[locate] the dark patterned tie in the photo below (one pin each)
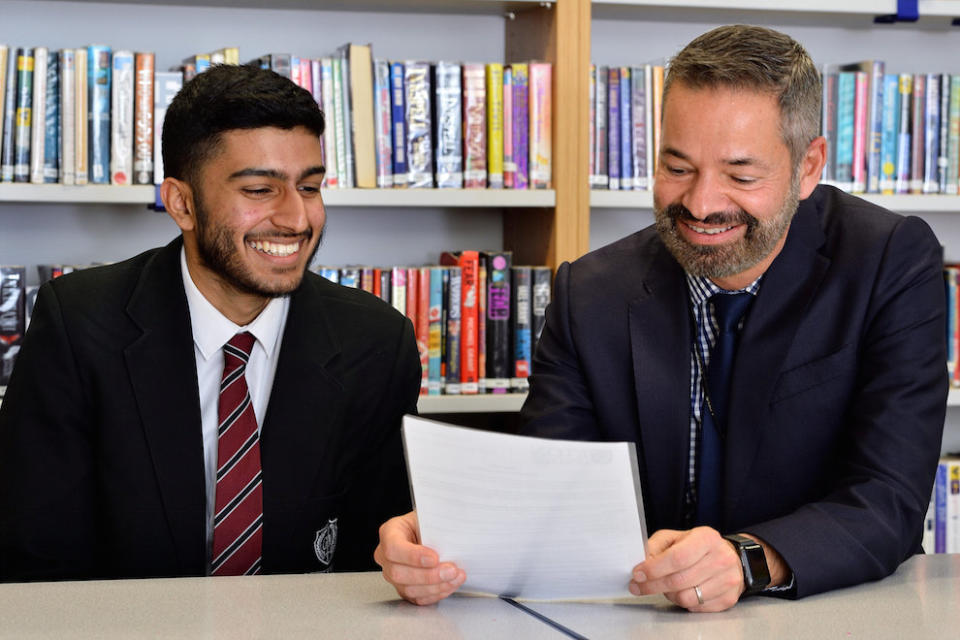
(238, 514)
(729, 309)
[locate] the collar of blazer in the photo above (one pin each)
(659, 323)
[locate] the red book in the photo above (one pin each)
(422, 327)
(469, 263)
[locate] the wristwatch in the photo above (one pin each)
(756, 575)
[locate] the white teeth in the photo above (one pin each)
(277, 249)
(709, 232)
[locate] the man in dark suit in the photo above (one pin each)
(117, 426)
(786, 447)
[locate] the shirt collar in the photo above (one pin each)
(212, 330)
(701, 288)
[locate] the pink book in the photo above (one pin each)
(860, 133)
(474, 126)
(509, 164)
(541, 164)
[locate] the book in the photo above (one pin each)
(419, 144)
(398, 123)
(166, 84)
(474, 126)
(398, 288)
(541, 119)
(121, 118)
(642, 180)
(81, 120)
(521, 315)
(383, 119)
(348, 175)
(360, 111)
(656, 90)
(448, 123)
(13, 322)
(99, 91)
(891, 127)
(601, 179)
(469, 264)
(340, 123)
(494, 125)
(861, 131)
(509, 163)
(931, 137)
(422, 327)
(143, 119)
(828, 117)
(626, 129)
(278, 62)
(51, 129)
(350, 277)
(498, 360)
(331, 148)
(8, 116)
(435, 331)
(21, 160)
(613, 128)
(875, 126)
(917, 133)
(38, 135)
(541, 279)
(903, 135)
(521, 125)
(846, 105)
(452, 302)
(68, 115)
(943, 160)
(4, 56)
(482, 323)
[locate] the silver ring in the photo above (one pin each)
(696, 590)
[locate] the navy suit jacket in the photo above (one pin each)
(838, 393)
(101, 457)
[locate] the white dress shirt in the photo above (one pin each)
(212, 330)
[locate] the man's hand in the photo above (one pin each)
(414, 571)
(680, 562)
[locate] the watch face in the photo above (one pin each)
(756, 575)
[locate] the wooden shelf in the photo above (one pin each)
(948, 8)
(601, 199)
(463, 7)
(488, 403)
(100, 194)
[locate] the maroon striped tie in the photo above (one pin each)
(238, 514)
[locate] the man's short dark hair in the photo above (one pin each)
(226, 98)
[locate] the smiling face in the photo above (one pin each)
(724, 193)
(255, 218)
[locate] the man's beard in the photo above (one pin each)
(215, 244)
(725, 260)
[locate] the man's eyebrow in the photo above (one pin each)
(737, 161)
(276, 174)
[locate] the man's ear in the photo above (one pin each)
(177, 199)
(811, 167)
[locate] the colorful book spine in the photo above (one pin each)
(953, 505)
(347, 168)
(602, 177)
(81, 121)
(143, 119)
(350, 277)
(468, 263)
(592, 128)
(494, 125)
(362, 148)
(875, 127)
(339, 123)
(166, 85)
(435, 331)
(846, 102)
(613, 127)
(5, 55)
(295, 74)
(398, 288)
(412, 275)
(931, 141)
(509, 163)
(940, 508)
(917, 133)
(98, 80)
(541, 119)
(830, 79)
(38, 116)
(121, 118)
(331, 148)
(950, 274)
(474, 126)
(521, 315)
(21, 160)
(498, 322)
(953, 141)
(482, 323)
(521, 125)
(891, 126)
(383, 117)
(626, 129)
(52, 133)
(398, 121)
(448, 125)
(861, 133)
(651, 126)
(329, 273)
(422, 327)
(656, 84)
(451, 383)
(638, 108)
(68, 106)
(943, 158)
(419, 144)
(8, 117)
(541, 278)
(903, 136)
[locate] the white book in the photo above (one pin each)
(330, 127)
(81, 108)
(38, 134)
(166, 84)
(67, 116)
(121, 119)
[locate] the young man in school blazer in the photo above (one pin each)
(114, 452)
(790, 450)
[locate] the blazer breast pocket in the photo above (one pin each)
(815, 373)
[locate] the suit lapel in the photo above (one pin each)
(787, 289)
(163, 374)
(306, 402)
(659, 322)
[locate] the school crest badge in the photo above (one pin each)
(325, 543)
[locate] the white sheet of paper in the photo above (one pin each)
(527, 517)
